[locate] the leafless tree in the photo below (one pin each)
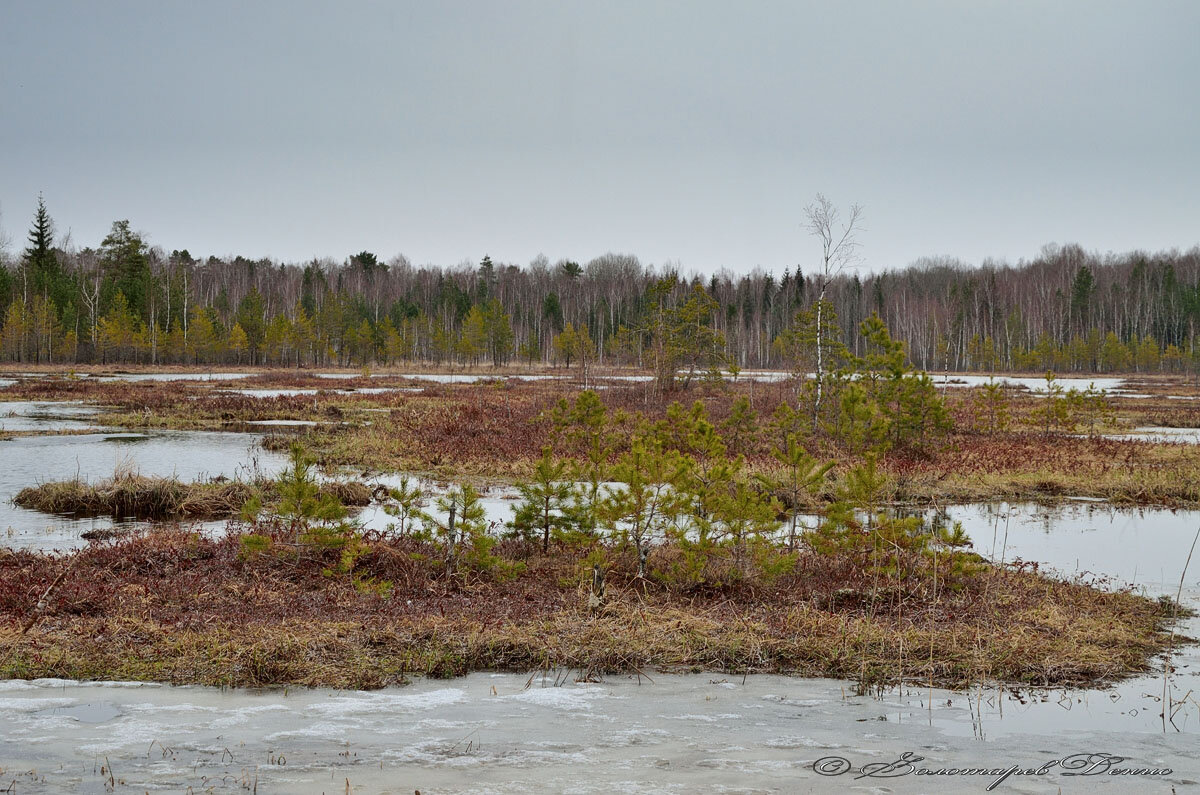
(89, 283)
(839, 250)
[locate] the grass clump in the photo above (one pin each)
(137, 496)
(130, 495)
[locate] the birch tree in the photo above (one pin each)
(839, 250)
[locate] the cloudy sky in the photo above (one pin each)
(692, 132)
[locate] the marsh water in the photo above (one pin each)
(32, 459)
(1112, 384)
(663, 733)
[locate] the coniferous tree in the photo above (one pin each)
(1056, 310)
(40, 260)
(545, 507)
(127, 268)
(251, 318)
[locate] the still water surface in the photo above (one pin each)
(30, 460)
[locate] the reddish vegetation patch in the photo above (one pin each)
(176, 607)
(498, 429)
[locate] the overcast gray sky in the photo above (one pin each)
(684, 131)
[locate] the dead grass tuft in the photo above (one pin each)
(130, 496)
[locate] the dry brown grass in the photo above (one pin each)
(496, 431)
(138, 497)
(174, 607)
(128, 495)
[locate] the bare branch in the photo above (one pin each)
(839, 242)
(839, 247)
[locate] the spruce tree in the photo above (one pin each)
(45, 277)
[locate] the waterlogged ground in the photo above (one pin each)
(29, 460)
(188, 455)
(1159, 435)
(1114, 385)
(668, 733)
(46, 416)
(1145, 549)
(271, 392)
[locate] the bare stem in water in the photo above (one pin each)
(1166, 699)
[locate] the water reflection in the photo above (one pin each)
(188, 455)
(37, 415)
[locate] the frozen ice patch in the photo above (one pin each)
(566, 698)
(130, 732)
(323, 730)
(800, 742)
(78, 683)
(632, 737)
(704, 718)
(17, 684)
(795, 702)
(380, 703)
(240, 716)
(156, 708)
(440, 723)
(470, 752)
(8, 706)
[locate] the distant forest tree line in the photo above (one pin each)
(125, 301)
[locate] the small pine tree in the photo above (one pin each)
(991, 408)
(317, 519)
(545, 507)
(748, 520)
(466, 537)
(1055, 409)
(859, 424)
(801, 476)
(647, 504)
(407, 505)
(740, 428)
(586, 427)
(301, 502)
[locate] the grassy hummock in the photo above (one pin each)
(129, 495)
(177, 607)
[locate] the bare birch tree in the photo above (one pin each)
(89, 283)
(839, 250)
